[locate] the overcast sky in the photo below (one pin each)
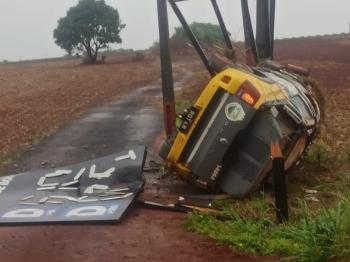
(26, 26)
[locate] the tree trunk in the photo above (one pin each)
(91, 56)
(95, 56)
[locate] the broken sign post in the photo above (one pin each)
(279, 179)
(96, 191)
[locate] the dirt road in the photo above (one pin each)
(143, 235)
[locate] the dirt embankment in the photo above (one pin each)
(38, 98)
(328, 58)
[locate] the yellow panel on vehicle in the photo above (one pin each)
(230, 80)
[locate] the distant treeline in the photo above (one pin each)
(66, 57)
(120, 51)
(314, 36)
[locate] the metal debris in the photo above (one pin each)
(310, 191)
(310, 197)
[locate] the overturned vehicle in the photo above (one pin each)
(224, 138)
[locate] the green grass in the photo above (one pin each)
(255, 237)
(319, 153)
(309, 239)
(180, 105)
(13, 157)
(38, 139)
(9, 160)
(316, 231)
(347, 152)
(6, 161)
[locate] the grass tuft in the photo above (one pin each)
(319, 154)
(180, 105)
(310, 239)
(38, 139)
(6, 161)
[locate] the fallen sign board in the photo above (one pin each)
(96, 191)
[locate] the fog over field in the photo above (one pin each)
(26, 26)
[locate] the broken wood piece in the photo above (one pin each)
(279, 178)
(158, 206)
(199, 209)
(209, 197)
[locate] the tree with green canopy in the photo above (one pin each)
(205, 33)
(89, 26)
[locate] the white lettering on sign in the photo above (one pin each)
(29, 212)
(87, 211)
(216, 172)
(4, 182)
(50, 212)
(112, 210)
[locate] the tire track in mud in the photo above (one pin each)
(109, 128)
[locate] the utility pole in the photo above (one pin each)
(167, 73)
